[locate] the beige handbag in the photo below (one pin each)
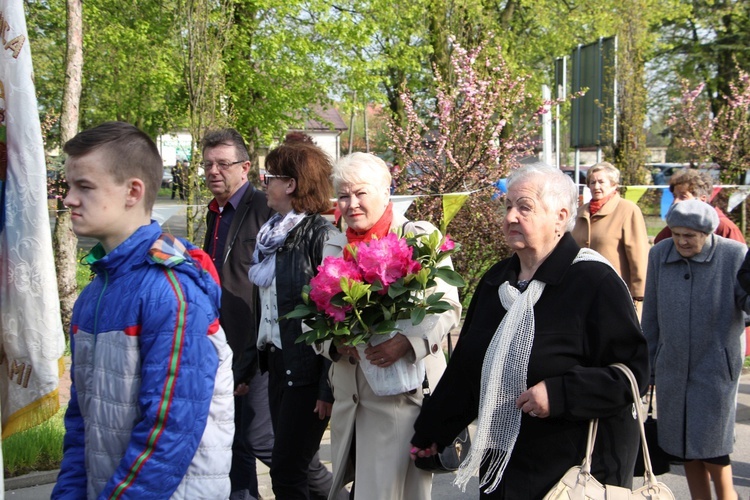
(579, 484)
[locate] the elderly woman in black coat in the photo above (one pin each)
(532, 362)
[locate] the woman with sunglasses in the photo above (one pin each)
(289, 248)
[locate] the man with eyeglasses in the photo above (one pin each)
(234, 217)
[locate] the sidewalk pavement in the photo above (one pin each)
(39, 485)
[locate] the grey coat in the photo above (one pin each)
(692, 319)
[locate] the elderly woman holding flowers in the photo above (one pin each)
(289, 249)
(533, 361)
(381, 425)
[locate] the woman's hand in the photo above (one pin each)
(534, 401)
(423, 452)
(390, 351)
(323, 409)
(349, 351)
(241, 389)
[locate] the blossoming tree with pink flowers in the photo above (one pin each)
(474, 131)
(722, 138)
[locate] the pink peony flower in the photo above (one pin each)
(327, 283)
(386, 260)
(448, 244)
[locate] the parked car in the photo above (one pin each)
(571, 172)
(662, 172)
(166, 177)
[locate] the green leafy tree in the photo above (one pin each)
(133, 72)
(703, 41)
(203, 38)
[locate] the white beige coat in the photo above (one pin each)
(384, 424)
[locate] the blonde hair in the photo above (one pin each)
(609, 170)
(361, 168)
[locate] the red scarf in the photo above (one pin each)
(378, 230)
(596, 205)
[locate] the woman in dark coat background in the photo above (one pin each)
(532, 362)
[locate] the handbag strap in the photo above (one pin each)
(586, 465)
(650, 410)
(648, 474)
(426, 383)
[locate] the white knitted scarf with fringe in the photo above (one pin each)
(504, 370)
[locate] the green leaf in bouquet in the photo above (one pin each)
(439, 307)
(450, 276)
(312, 336)
(434, 298)
(354, 290)
(397, 288)
(371, 315)
(357, 339)
(417, 315)
(385, 327)
(422, 276)
(338, 300)
(301, 311)
(376, 286)
(433, 240)
(387, 311)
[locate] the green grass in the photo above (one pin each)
(654, 224)
(83, 272)
(35, 449)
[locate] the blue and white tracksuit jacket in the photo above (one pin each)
(151, 412)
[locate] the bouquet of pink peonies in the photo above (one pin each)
(376, 283)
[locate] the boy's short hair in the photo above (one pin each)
(227, 137)
(132, 153)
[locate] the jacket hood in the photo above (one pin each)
(148, 245)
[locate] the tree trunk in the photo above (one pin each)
(630, 148)
(64, 241)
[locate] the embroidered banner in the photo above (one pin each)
(30, 325)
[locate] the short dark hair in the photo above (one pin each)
(297, 136)
(132, 154)
(311, 167)
(698, 183)
(226, 137)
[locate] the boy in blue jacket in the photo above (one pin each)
(151, 405)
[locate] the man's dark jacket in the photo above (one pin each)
(238, 295)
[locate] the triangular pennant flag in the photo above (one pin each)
(401, 203)
(666, 201)
(452, 203)
(635, 193)
(714, 193)
(737, 197)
